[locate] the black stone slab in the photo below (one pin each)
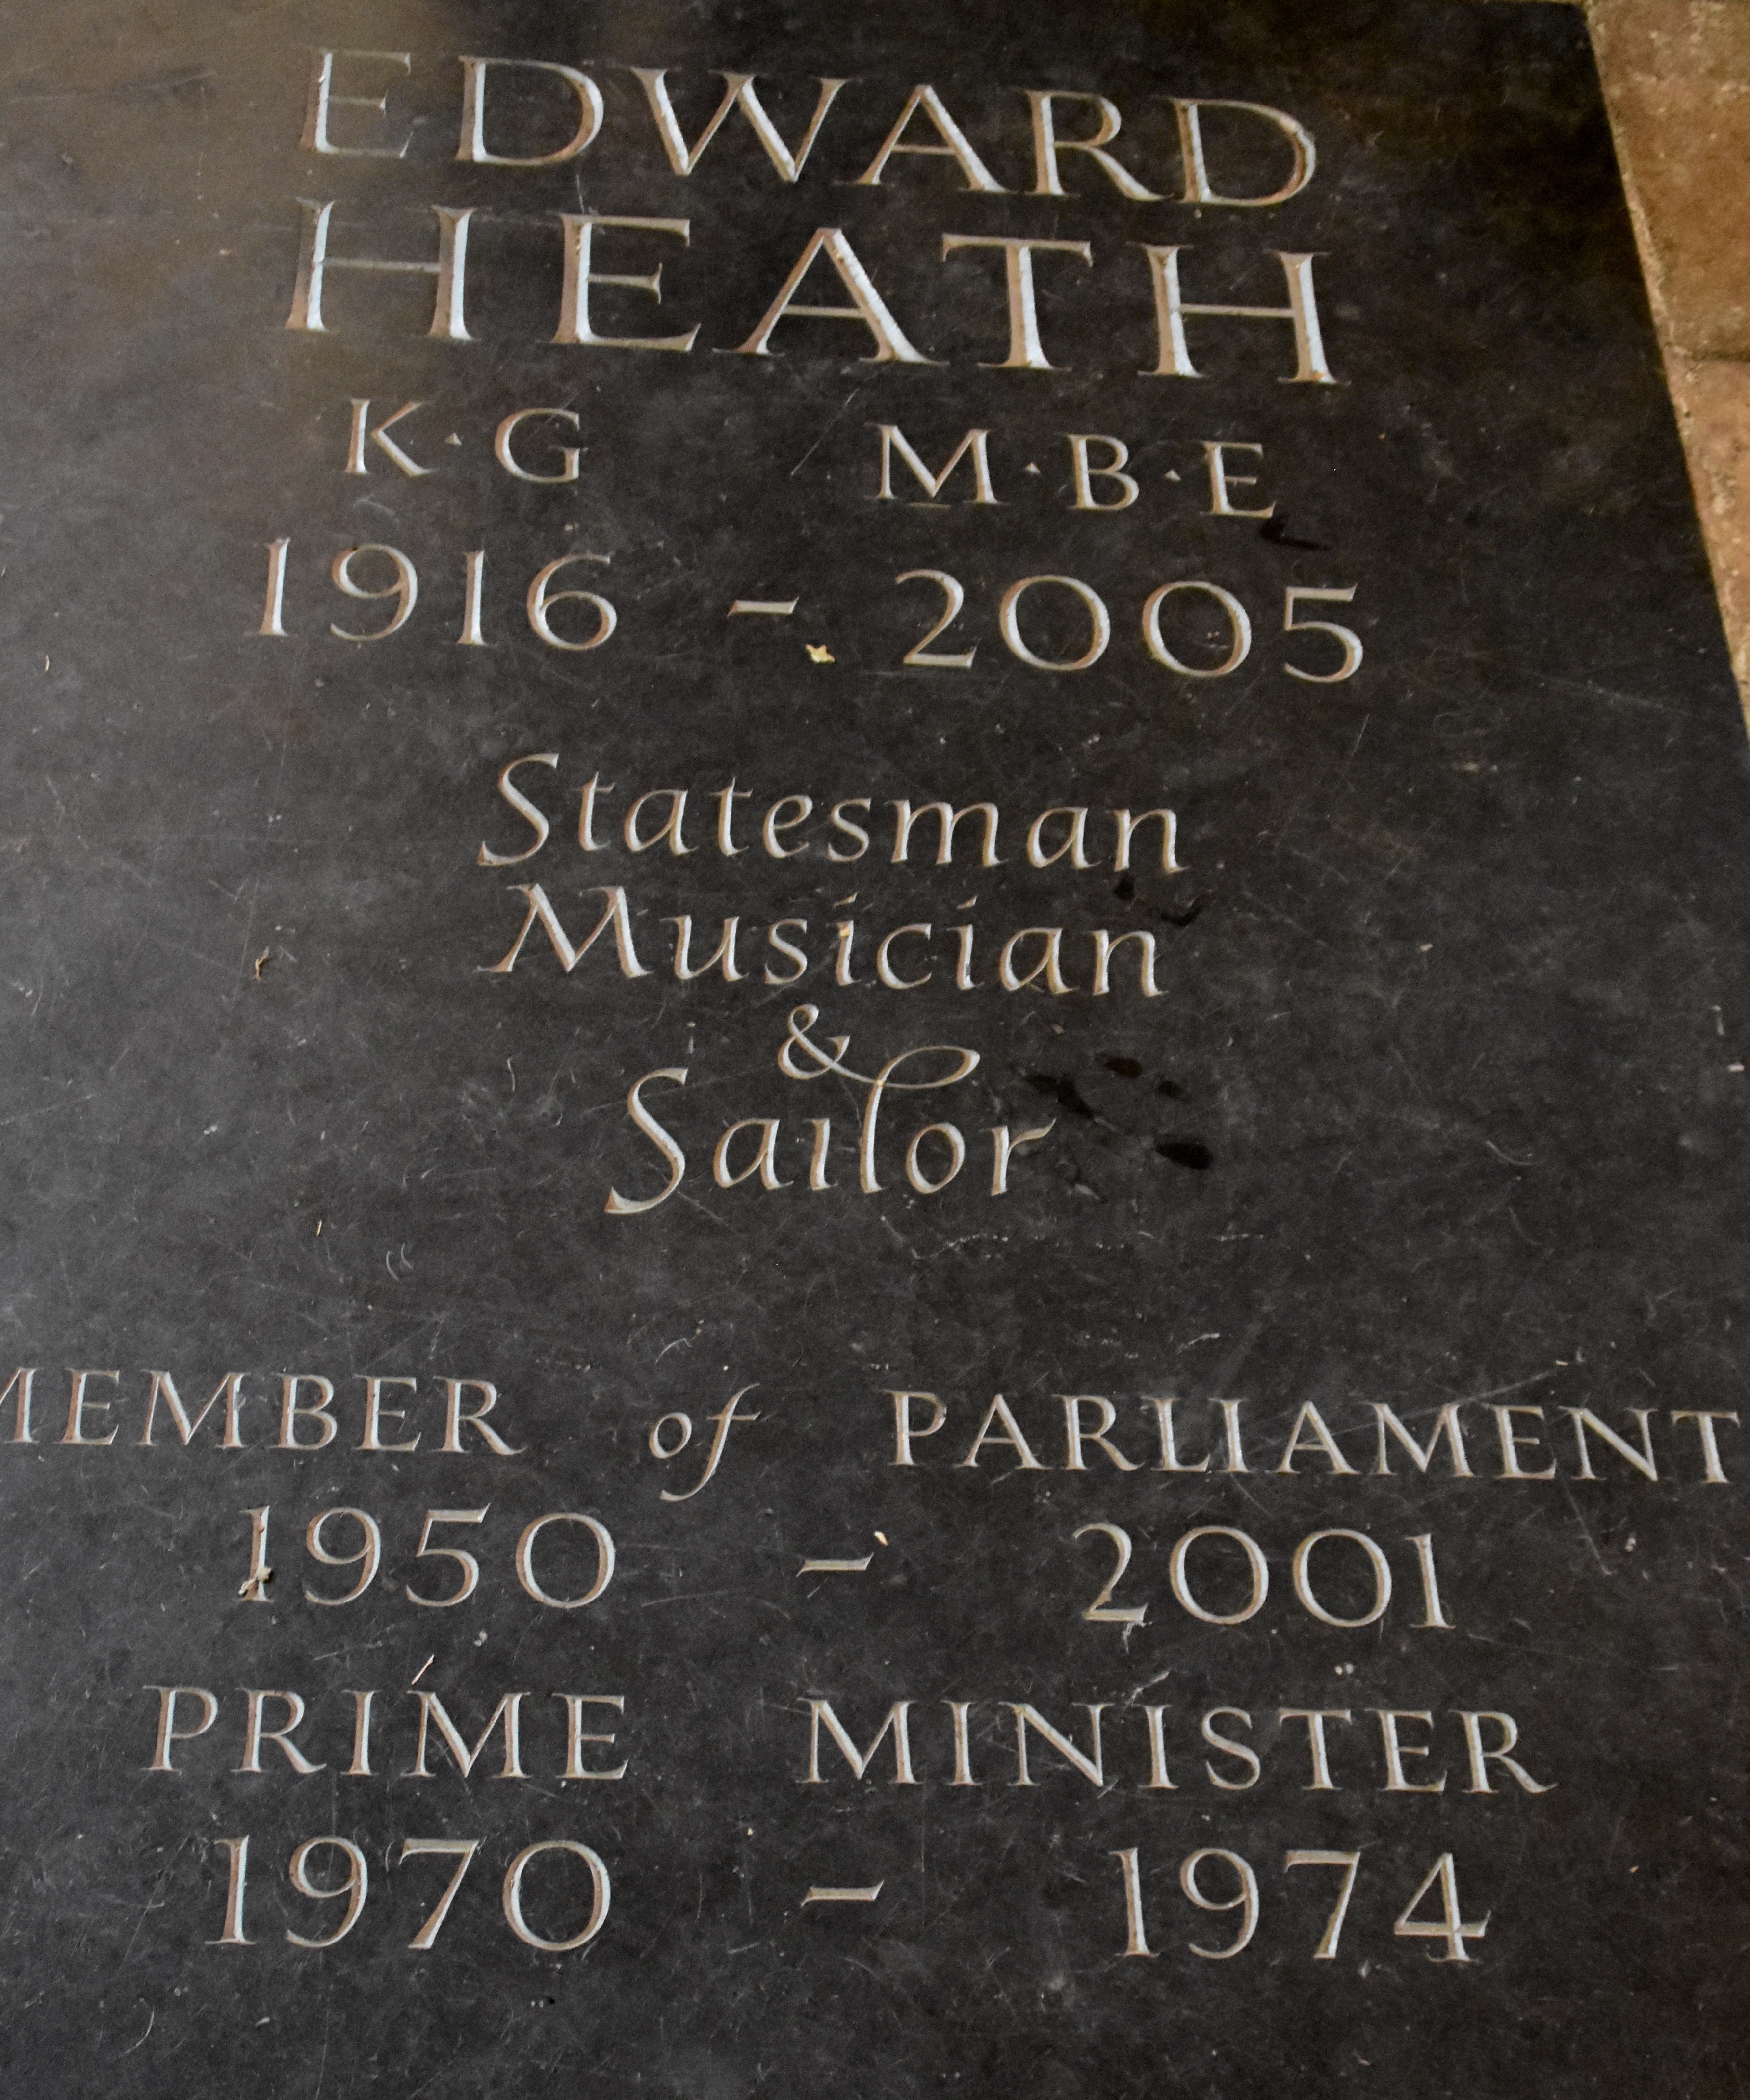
(1438, 1103)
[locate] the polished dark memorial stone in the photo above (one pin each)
(877, 1014)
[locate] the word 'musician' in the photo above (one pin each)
(1058, 960)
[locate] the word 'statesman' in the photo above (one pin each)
(657, 816)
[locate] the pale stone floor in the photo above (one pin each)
(1676, 81)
